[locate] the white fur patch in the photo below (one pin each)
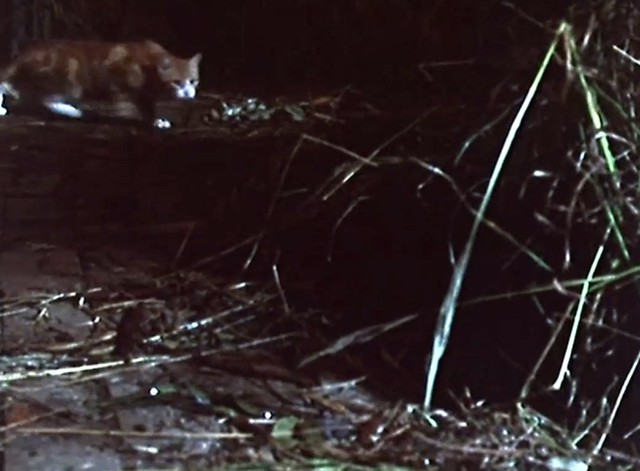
(162, 123)
(64, 109)
(185, 91)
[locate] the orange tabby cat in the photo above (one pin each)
(63, 74)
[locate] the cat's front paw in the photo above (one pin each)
(161, 123)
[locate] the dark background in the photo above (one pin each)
(274, 45)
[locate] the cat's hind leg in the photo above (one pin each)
(62, 108)
(4, 90)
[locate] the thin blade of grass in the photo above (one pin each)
(448, 308)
